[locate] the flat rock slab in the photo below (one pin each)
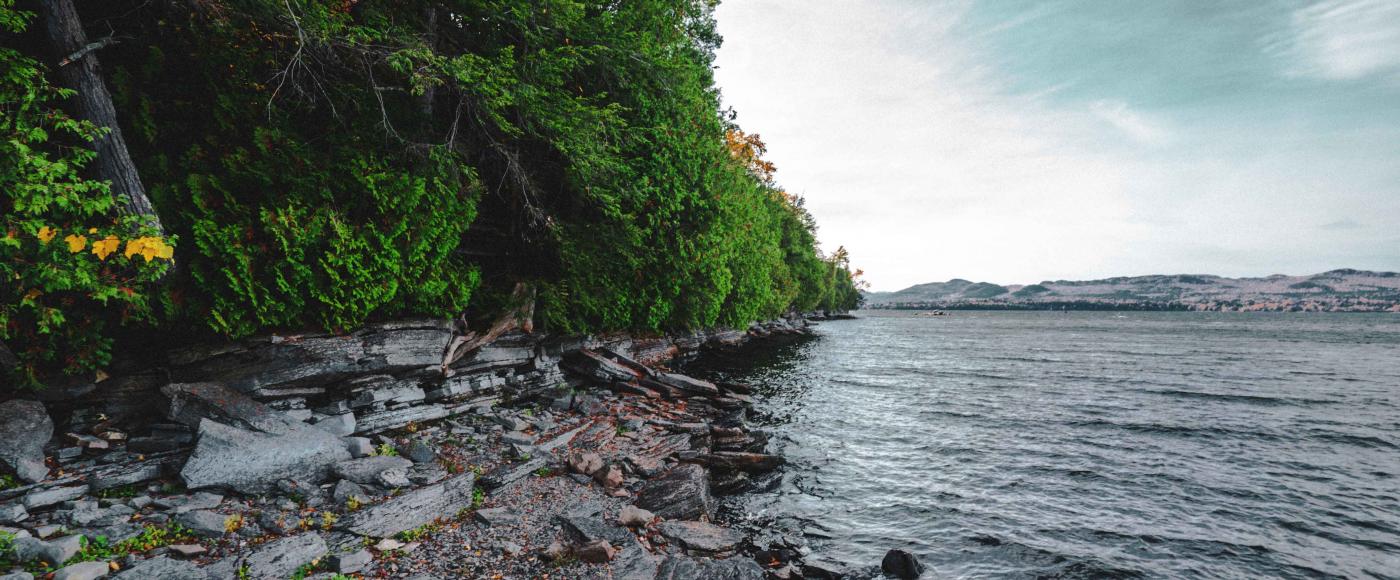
(24, 429)
(512, 472)
(366, 470)
(497, 517)
(163, 568)
(250, 462)
(685, 568)
(741, 461)
(82, 571)
(689, 384)
(46, 497)
(682, 493)
(587, 525)
(281, 558)
(702, 537)
(412, 509)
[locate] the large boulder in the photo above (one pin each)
(24, 429)
(901, 564)
(368, 470)
(683, 493)
(702, 538)
(412, 509)
(250, 462)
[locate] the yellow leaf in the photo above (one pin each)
(47, 233)
(92, 230)
(76, 243)
(105, 247)
(149, 247)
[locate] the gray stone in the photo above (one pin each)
(367, 470)
(701, 537)
(497, 517)
(204, 523)
(17, 576)
(511, 423)
(901, 564)
(60, 550)
(341, 424)
(392, 418)
(345, 490)
(634, 563)
(82, 571)
(199, 501)
(250, 462)
(510, 473)
(595, 552)
(517, 438)
(279, 559)
(187, 550)
(359, 446)
(388, 391)
(418, 452)
(163, 568)
(689, 384)
(634, 517)
(46, 531)
(585, 524)
(39, 498)
(677, 567)
(24, 429)
(681, 493)
(412, 509)
(13, 513)
(26, 549)
(426, 474)
(352, 562)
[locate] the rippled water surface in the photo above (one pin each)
(1090, 444)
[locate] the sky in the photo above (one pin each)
(1018, 141)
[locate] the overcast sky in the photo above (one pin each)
(1017, 141)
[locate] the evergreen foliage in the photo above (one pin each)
(330, 163)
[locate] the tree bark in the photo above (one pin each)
(77, 69)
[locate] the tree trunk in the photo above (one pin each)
(77, 68)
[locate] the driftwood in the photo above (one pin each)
(519, 316)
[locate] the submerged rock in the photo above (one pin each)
(24, 429)
(687, 568)
(901, 564)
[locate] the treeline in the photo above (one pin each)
(324, 164)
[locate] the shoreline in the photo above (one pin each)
(476, 472)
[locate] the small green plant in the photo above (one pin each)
(307, 569)
(544, 472)
(8, 482)
(152, 537)
(353, 503)
(622, 429)
(233, 523)
(243, 572)
(328, 520)
(478, 497)
(419, 532)
(386, 450)
(123, 491)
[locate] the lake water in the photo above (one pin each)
(1043, 444)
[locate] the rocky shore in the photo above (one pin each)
(383, 455)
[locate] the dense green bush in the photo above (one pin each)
(327, 164)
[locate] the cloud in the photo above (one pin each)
(1134, 124)
(1339, 225)
(1342, 40)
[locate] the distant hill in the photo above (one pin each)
(1338, 291)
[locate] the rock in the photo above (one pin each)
(510, 548)
(205, 523)
(249, 462)
(497, 517)
(199, 501)
(633, 562)
(680, 494)
(412, 509)
(586, 463)
(82, 571)
(279, 559)
(58, 551)
(596, 552)
(512, 472)
(39, 498)
(686, 568)
(556, 551)
(517, 438)
(281, 523)
(689, 384)
(609, 477)
(597, 367)
(13, 513)
(418, 452)
(585, 524)
(27, 549)
(359, 447)
(163, 568)
(47, 530)
(702, 537)
(350, 563)
(635, 517)
(901, 564)
(510, 422)
(17, 576)
(345, 490)
(739, 461)
(368, 470)
(341, 424)
(187, 550)
(24, 429)
(426, 474)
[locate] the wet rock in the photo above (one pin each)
(370, 470)
(595, 552)
(250, 462)
(163, 568)
(681, 493)
(701, 537)
(205, 523)
(512, 472)
(82, 571)
(40, 498)
(350, 563)
(739, 461)
(688, 384)
(634, 517)
(279, 559)
(686, 568)
(24, 429)
(901, 564)
(411, 509)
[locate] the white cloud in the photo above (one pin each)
(1136, 125)
(1343, 40)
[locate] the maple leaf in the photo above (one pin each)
(76, 243)
(105, 247)
(47, 233)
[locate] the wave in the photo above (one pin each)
(1233, 398)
